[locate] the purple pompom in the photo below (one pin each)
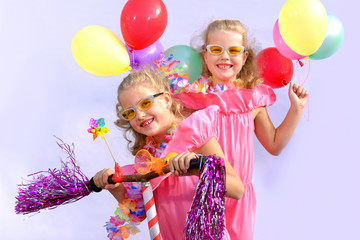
(205, 220)
(49, 189)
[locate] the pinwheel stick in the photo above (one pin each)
(112, 155)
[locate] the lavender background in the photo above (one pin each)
(310, 191)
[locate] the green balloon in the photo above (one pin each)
(189, 59)
(333, 39)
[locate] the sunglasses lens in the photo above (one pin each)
(128, 114)
(145, 104)
(234, 50)
(216, 49)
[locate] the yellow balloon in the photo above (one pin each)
(303, 25)
(99, 51)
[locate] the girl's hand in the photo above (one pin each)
(298, 96)
(101, 180)
(180, 164)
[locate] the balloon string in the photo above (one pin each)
(133, 58)
(299, 68)
(307, 74)
(301, 83)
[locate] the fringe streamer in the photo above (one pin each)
(55, 187)
(205, 220)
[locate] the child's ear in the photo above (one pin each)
(167, 97)
(245, 55)
(205, 56)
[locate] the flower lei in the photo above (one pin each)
(203, 84)
(127, 215)
(180, 82)
(154, 147)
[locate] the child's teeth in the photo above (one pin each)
(224, 66)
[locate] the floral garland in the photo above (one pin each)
(154, 148)
(180, 82)
(203, 84)
(128, 214)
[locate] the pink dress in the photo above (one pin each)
(236, 132)
(173, 195)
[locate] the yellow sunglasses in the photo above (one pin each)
(144, 104)
(232, 50)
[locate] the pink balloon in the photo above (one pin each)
(280, 44)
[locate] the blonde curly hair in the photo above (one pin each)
(145, 78)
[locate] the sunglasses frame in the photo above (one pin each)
(151, 97)
(224, 48)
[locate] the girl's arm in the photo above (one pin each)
(275, 139)
(180, 163)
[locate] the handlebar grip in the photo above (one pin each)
(194, 164)
(197, 162)
(95, 188)
(110, 179)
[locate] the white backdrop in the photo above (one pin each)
(310, 191)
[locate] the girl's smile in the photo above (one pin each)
(146, 123)
(224, 66)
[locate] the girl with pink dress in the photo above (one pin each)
(147, 111)
(231, 82)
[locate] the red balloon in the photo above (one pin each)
(274, 68)
(143, 22)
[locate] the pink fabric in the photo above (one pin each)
(128, 169)
(235, 126)
(173, 195)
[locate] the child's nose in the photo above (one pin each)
(225, 54)
(140, 113)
